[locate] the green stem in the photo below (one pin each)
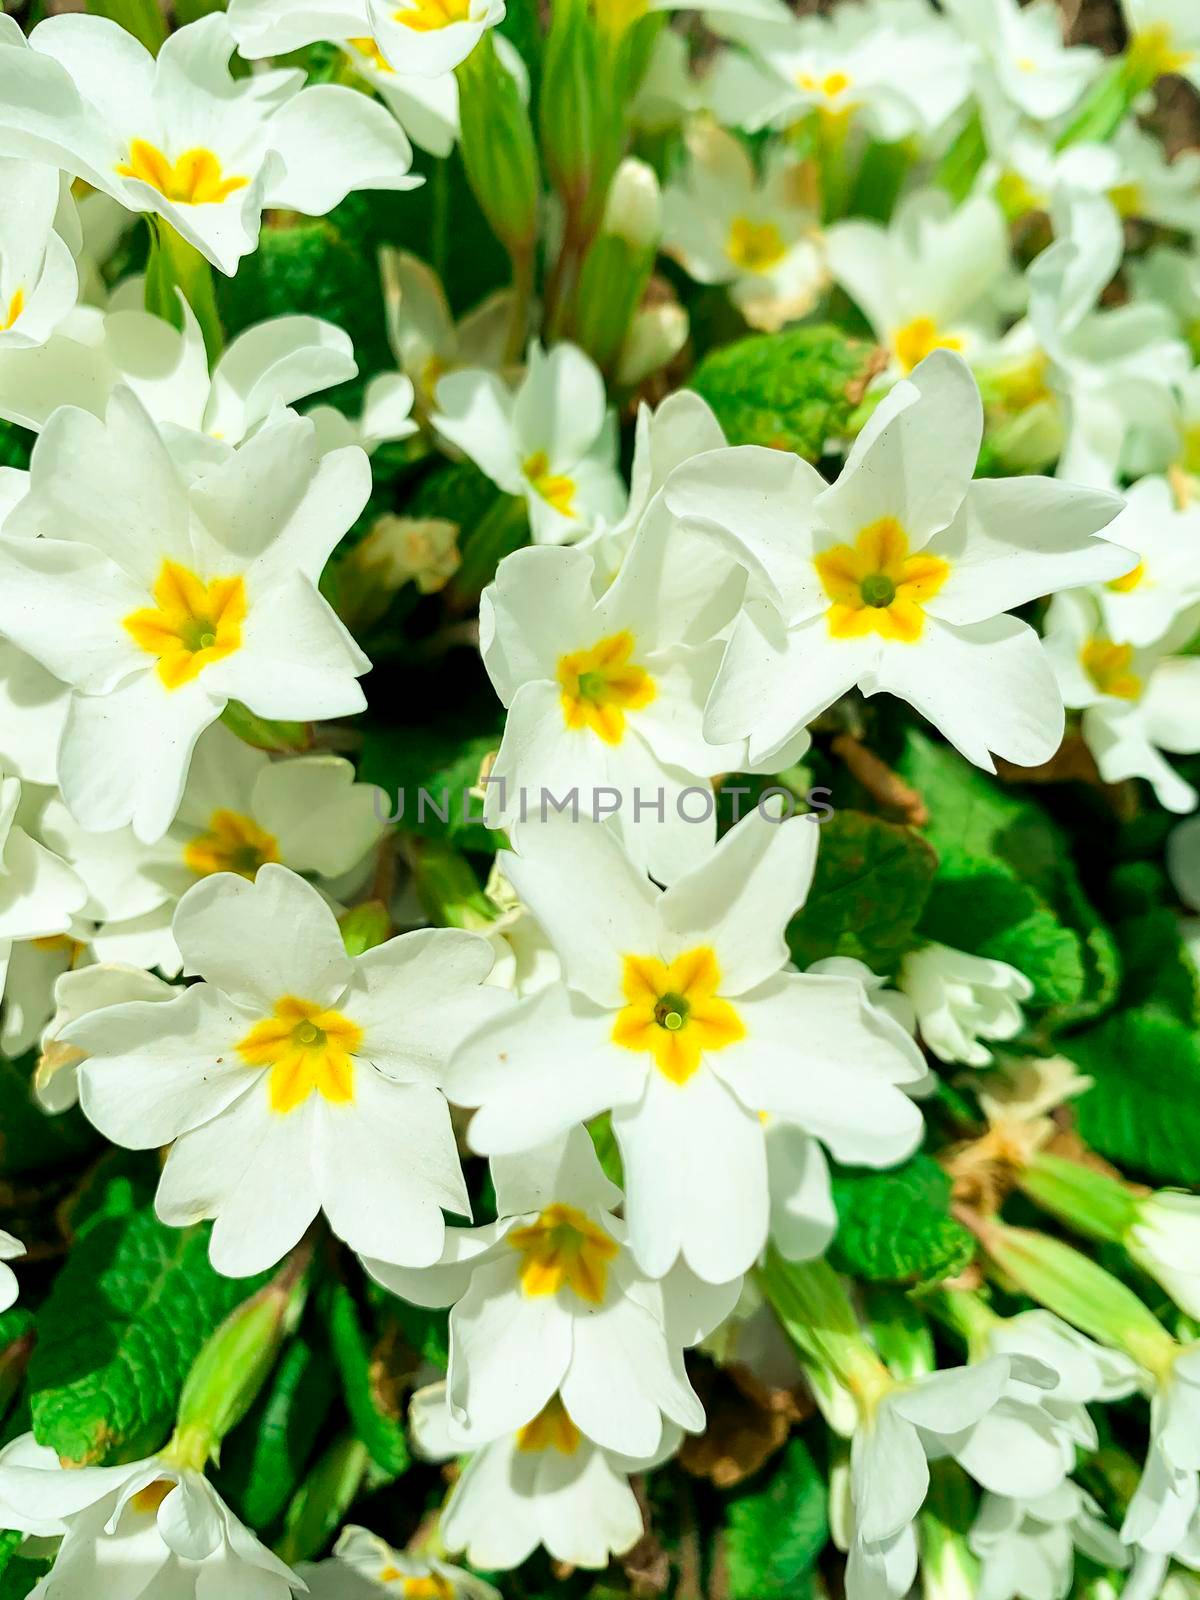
(320, 1505)
(522, 291)
(815, 1313)
(1107, 103)
(504, 527)
(174, 264)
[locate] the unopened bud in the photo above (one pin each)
(420, 550)
(365, 927)
(657, 333)
(633, 210)
(497, 148)
(1164, 1240)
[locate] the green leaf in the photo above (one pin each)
(123, 1323)
(776, 1528)
(264, 1459)
(1143, 1110)
(896, 1227)
(32, 1141)
(20, 1576)
(1007, 887)
(376, 1414)
(869, 889)
(1158, 967)
(428, 774)
(789, 391)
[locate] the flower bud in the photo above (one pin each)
(365, 926)
(1164, 1240)
(633, 210)
(1091, 1202)
(420, 550)
(657, 333)
(497, 147)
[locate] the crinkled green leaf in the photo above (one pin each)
(122, 1325)
(1143, 1110)
(896, 1226)
(789, 391)
(776, 1528)
(869, 889)
(1157, 966)
(375, 1406)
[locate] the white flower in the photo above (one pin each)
(945, 1413)
(546, 1485)
(1025, 56)
(425, 338)
(678, 1013)
(39, 239)
(605, 696)
(548, 1300)
(924, 280)
(1027, 1546)
(891, 65)
(961, 999)
(384, 418)
(294, 1079)
(1135, 703)
(525, 959)
(1153, 188)
(377, 1567)
(1183, 861)
(552, 442)
(33, 713)
(425, 107)
(270, 364)
(1141, 607)
(39, 894)
(1117, 369)
(34, 967)
(417, 37)
(132, 1529)
(1168, 1493)
(10, 1250)
(76, 993)
(177, 136)
(897, 578)
(760, 236)
(159, 596)
(1165, 1242)
(1166, 35)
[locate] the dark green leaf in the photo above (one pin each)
(896, 1227)
(375, 1409)
(428, 774)
(776, 1528)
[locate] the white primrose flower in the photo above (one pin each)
(1024, 55)
(899, 578)
(1167, 1497)
(548, 1300)
(1117, 369)
(159, 596)
(925, 281)
(552, 442)
(239, 810)
(605, 695)
(1136, 703)
(546, 1484)
(363, 1566)
(961, 1000)
(177, 136)
(94, 352)
(908, 1425)
(426, 38)
(1142, 606)
(525, 959)
(294, 1079)
(39, 240)
(760, 236)
(384, 418)
(678, 1013)
(40, 895)
(1165, 1242)
(150, 1527)
(34, 967)
(10, 1250)
(1165, 36)
(33, 712)
(76, 993)
(1151, 187)
(1027, 1546)
(892, 66)
(425, 338)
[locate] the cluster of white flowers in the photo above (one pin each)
(181, 855)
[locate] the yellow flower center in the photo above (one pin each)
(60, 944)
(427, 16)
(831, 87)
(1107, 665)
(15, 307)
(920, 338)
(1130, 581)
(431, 1587)
(754, 246)
(307, 1049)
(1023, 384)
(1128, 199)
(1154, 53)
(1016, 196)
(876, 586)
(564, 1247)
(148, 1500)
(192, 624)
(601, 684)
(557, 490)
(371, 53)
(551, 1429)
(194, 179)
(673, 1011)
(232, 842)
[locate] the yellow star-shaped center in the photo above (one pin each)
(600, 684)
(191, 624)
(920, 337)
(232, 842)
(427, 16)
(563, 1248)
(876, 586)
(195, 178)
(551, 1429)
(673, 1011)
(308, 1049)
